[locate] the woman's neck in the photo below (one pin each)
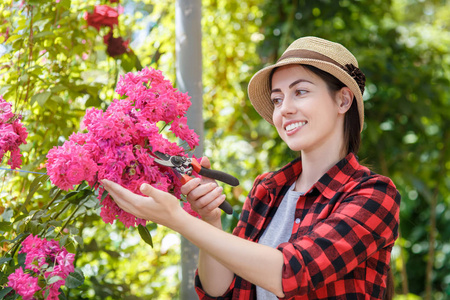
(316, 163)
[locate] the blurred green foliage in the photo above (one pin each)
(53, 66)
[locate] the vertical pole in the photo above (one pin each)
(189, 79)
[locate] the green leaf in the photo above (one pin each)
(21, 217)
(105, 193)
(78, 239)
(74, 279)
(54, 279)
(58, 88)
(70, 195)
(15, 239)
(56, 223)
(76, 196)
(43, 33)
(33, 188)
(145, 234)
(61, 295)
(63, 240)
(40, 98)
(65, 3)
(4, 260)
(5, 292)
(5, 226)
(57, 99)
(111, 253)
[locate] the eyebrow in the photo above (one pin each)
(292, 84)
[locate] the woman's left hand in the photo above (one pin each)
(159, 207)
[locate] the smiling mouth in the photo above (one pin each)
(294, 126)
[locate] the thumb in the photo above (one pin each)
(147, 189)
(205, 162)
(154, 193)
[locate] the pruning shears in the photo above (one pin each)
(185, 166)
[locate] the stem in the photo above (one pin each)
(53, 200)
(70, 217)
(433, 230)
(62, 210)
(14, 248)
(404, 274)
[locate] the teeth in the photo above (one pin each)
(294, 125)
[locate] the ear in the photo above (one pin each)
(344, 99)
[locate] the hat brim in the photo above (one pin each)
(259, 86)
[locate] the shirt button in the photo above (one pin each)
(297, 220)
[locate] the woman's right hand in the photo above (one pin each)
(205, 196)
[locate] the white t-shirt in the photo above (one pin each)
(279, 231)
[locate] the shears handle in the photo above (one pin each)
(214, 174)
(225, 206)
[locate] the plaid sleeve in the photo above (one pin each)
(202, 295)
(358, 227)
(250, 219)
(242, 230)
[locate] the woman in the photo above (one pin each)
(321, 227)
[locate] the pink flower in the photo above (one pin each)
(69, 165)
(44, 260)
(12, 134)
(180, 129)
(5, 111)
(119, 141)
(24, 284)
(35, 257)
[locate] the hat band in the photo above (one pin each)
(303, 53)
(351, 69)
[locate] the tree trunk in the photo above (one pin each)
(189, 79)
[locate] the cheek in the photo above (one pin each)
(276, 119)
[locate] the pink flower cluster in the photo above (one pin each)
(119, 141)
(12, 134)
(44, 260)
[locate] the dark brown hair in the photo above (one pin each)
(352, 127)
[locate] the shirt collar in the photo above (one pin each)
(330, 183)
(327, 185)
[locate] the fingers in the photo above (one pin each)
(211, 205)
(190, 185)
(124, 198)
(155, 194)
(205, 162)
(116, 190)
(204, 195)
(158, 206)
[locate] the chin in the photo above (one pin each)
(295, 147)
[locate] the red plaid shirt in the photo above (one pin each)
(341, 248)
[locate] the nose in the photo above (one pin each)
(288, 106)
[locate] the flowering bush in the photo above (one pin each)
(115, 46)
(12, 134)
(47, 265)
(103, 16)
(118, 142)
(106, 16)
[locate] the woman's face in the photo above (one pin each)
(306, 115)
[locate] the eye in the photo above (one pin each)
(300, 92)
(277, 101)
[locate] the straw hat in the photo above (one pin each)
(322, 54)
